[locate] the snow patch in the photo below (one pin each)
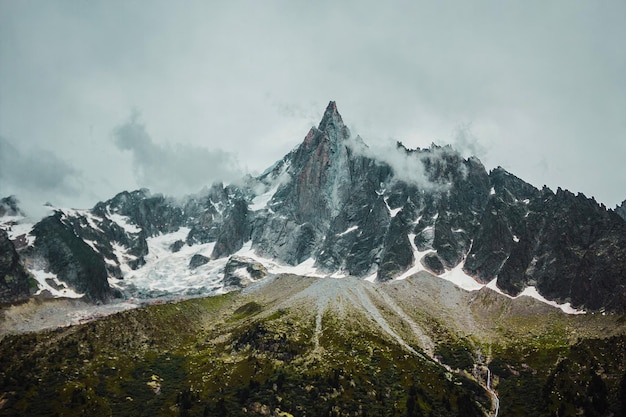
(168, 272)
(59, 289)
(243, 273)
(492, 191)
(124, 223)
(532, 292)
(305, 268)
(392, 212)
(122, 255)
(85, 214)
(259, 202)
(371, 278)
(417, 257)
(92, 244)
(15, 228)
(459, 278)
(348, 230)
(515, 239)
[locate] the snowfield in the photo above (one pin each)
(168, 273)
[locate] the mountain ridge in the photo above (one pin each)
(336, 203)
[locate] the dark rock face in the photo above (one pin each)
(177, 246)
(581, 253)
(154, 214)
(233, 276)
(198, 260)
(205, 214)
(104, 234)
(397, 255)
(234, 231)
(14, 280)
(68, 256)
(571, 248)
(621, 210)
(433, 263)
(361, 217)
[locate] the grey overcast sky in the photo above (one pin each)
(101, 96)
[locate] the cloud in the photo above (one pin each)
(406, 165)
(467, 144)
(36, 176)
(36, 170)
(173, 168)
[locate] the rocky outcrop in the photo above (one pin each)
(432, 262)
(621, 210)
(240, 271)
(234, 231)
(568, 246)
(580, 253)
(153, 214)
(14, 280)
(70, 258)
(206, 213)
(177, 246)
(198, 260)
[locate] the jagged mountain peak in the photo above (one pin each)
(621, 209)
(331, 117)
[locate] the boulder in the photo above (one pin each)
(198, 260)
(241, 271)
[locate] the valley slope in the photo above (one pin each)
(324, 347)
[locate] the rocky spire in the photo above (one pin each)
(621, 210)
(332, 121)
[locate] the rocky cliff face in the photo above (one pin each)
(621, 210)
(14, 280)
(570, 247)
(68, 256)
(337, 205)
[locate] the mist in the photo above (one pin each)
(173, 168)
(36, 176)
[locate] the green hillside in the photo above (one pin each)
(323, 347)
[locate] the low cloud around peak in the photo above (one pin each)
(173, 168)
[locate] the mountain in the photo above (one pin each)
(345, 280)
(343, 209)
